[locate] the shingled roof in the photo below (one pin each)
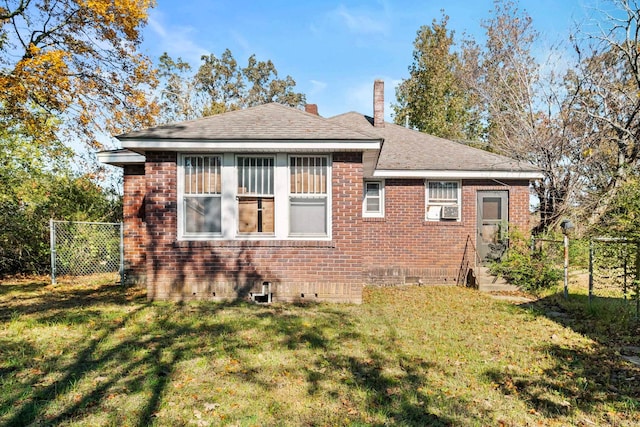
(407, 149)
(264, 122)
(390, 150)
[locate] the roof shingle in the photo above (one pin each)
(402, 149)
(407, 149)
(264, 122)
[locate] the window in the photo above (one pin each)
(373, 200)
(229, 196)
(201, 202)
(256, 207)
(308, 195)
(443, 201)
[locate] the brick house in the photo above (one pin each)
(275, 203)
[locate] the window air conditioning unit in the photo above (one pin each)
(449, 212)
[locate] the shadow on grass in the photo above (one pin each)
(40, 297)
(6, 288)
(135, 348)
(139, 362)
(582, 377)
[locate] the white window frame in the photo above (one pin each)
(326, 196)
(433, 208)
(373, 214)
(183, 195)
(229, 199)
(260, 194)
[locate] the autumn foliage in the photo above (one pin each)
(70, 68)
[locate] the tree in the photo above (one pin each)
(221, 85)
(75, 61)
(622, 215)
(525, 112)
(265, 86)
(504, 78)
(36, 184)
(433, 99)
(177, 101)
(607, 82)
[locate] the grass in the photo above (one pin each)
(89, 353)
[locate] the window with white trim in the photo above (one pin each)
(373, 199)
(232, 196)
(308, 195)
(256, 204)
(201, 199)
(443, 200)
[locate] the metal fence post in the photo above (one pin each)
(122, 253)
(637, 278)
(590, 271)
(52, 243)
(566, 266)
(624, 273)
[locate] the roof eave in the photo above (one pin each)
(458, 174)
(120, 158)
(239, 146)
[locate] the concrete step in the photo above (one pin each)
(498, 288)
(490, 283)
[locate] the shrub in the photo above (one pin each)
(24, 218)
(531, 271)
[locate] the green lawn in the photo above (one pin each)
(95, 354)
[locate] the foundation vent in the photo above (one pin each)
(265, 297)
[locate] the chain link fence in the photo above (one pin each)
(613, 270)
(613, 275)
(86, 248)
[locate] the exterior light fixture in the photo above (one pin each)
(567, 226)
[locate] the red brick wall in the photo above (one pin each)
(399, 248)
(403, 247)
(230, 269)
(134, 224)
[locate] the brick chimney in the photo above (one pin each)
(378, 103)
(311, 109)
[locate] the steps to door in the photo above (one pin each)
(498, 288)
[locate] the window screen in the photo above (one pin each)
(308, 177)
(443, 200)
(256, 204)
(201, 200)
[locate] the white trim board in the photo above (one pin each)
(250, 146)
(455, 174)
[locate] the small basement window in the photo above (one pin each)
(443, 201)
(373, 199)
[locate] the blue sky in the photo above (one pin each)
(334, 49)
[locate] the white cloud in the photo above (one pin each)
(177, 41)
(317, 87)
(360, 22)
(155, 25)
